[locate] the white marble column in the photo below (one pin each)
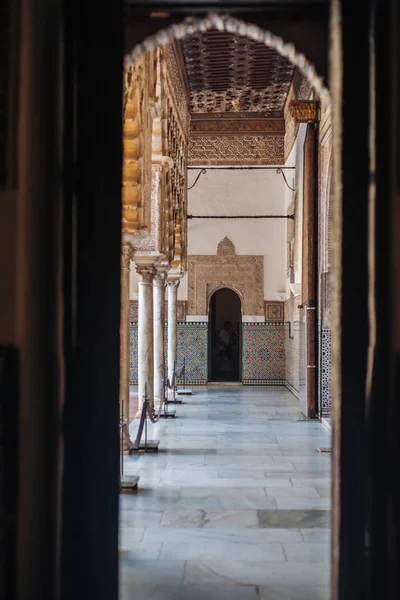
(124, 364)
(173, 285)
(159, 323)
(145, 332)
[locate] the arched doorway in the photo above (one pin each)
(225, 336)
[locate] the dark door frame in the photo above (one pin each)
(211, 328)
(85, 315)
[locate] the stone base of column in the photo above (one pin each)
(129, 483)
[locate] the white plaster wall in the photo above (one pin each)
(247, 192)
(243, 192)
(295, 180)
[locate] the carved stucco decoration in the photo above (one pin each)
(176, 135)
(138, 107)
(214, 287)
(226, 247)
(232, 25)
(274, 311)
(235, 127)
(155, 241)
(256, 77)
(304, 111)
(177, 82)
(236, 150)
(238, 99)
(242, 273)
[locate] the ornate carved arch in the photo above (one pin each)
(213, 288)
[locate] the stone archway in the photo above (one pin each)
(244, 274)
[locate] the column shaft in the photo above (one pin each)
(126, 257)
(172, 333)
(145, 334)
(159, 323)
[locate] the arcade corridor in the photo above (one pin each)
(235, 505)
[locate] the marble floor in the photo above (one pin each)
(235, 505)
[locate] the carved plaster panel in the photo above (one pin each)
(156, 239)
(208, 273)
(274, 311)
(236, 150)
(226, 247)
(176, 80)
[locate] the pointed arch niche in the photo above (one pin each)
(244, 274)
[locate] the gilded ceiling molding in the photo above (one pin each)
(304, 111)
(236, 150)
(208, 273)
(238, 99)
(257, 78)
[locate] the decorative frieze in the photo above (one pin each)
(236, 150)
(237, 126)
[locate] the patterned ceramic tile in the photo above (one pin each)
(326, 400)
(192, 345)
(292, 356)
(263, 353)
(133, 352)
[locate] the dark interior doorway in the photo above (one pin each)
(225, 339)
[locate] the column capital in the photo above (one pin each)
(160, 277)
(146, 273)
(126, 255)
(173, 283)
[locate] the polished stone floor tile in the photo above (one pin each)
(284, 592)
(307, 552)
(211, 550)
(158, 572)
(236, 572)
(234, 536)
(192, 592)
(234, 506)
(301, 519)
(209, 518)
(296, 502)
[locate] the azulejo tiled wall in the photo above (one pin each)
(292, 356)
(325, 399)
(263, 353)
(192, 346)
(133, 354)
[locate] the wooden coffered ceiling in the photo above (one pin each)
(228, 73)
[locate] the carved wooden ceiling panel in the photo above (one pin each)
(227, 72)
